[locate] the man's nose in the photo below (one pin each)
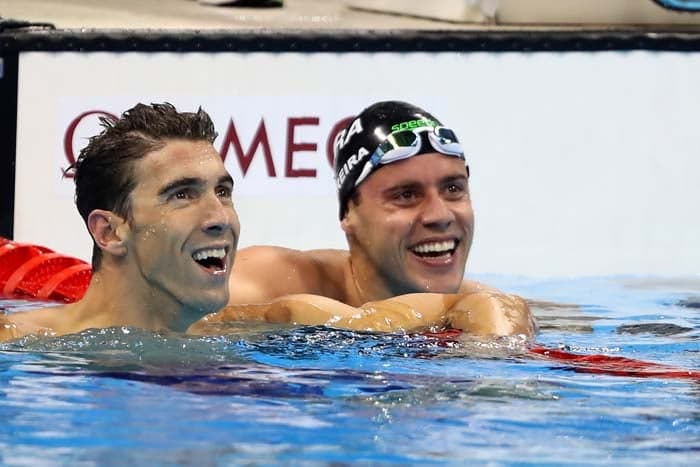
(436, 212)
(216, 214)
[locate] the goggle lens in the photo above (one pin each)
(445, 135)
(402, 139)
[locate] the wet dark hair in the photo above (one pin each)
(362, 136)
(103, 172)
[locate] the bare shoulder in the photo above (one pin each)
(43, 321)
(268, 254)
(8, 328)
(262, 273)
(278, 260)
(261, 254)
(329, 261)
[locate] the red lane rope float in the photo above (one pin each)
(38, 272)
(30, 277)
(67, 284)
(616, 366)
(13, 256)
(596, 363)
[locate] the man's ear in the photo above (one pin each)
(347, 222)
(109, 231)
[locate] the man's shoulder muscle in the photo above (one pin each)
(262, 273)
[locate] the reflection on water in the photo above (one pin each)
(562, 316)
(658, 329)
(690, 302)
(262, 394)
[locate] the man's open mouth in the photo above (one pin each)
(212, 259)
(435, 249)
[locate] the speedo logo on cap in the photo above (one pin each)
(410, 124)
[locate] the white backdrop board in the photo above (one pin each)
(583, 163)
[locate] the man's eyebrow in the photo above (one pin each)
(180, 183)
(411, 185)
(454, 178)
(192, 181)
(226, 179)
(405, 185)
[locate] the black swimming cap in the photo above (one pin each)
(356, 143)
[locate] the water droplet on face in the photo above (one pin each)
(149, 231)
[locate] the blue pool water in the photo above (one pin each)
(266, 395)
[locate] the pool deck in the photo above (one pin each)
(346, 14)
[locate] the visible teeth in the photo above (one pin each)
(435, 247)
(210, 253)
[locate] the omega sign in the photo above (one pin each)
(231, 142)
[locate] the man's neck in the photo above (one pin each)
(364, 283)
(115, 298)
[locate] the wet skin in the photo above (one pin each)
(410, 231)
(412, 228)
(167, 263)
(182, 207)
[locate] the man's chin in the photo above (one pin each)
(444, 277)
(209, 304)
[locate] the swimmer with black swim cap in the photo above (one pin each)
(403, 188)
(414, 132)
(404, 200)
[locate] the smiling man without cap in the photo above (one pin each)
(156, 199)
(405, 208)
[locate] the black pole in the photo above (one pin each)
(8, 140)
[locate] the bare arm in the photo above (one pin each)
(485, 314)
(480, 314)
(492, 314)
(403, 313)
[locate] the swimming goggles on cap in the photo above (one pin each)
(403, 144)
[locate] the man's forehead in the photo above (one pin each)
(423, 166)
(195, 159)
(181, 152)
